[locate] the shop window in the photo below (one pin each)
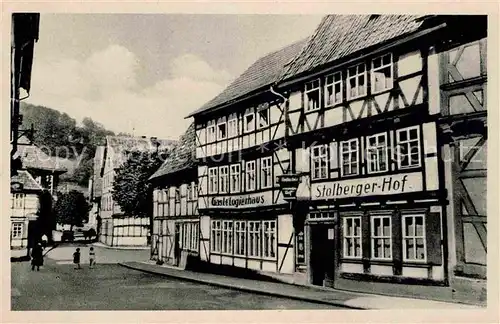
(377, 153)
(382, 78)
(232, 126)
(414, 238)
(408, 151)
(319, 159)
(269, 239)
(235, 178)
(265, 172)
(263, 115)
(249, 121)
(212, 180)
(352, 237)
(356, 81)
(227, 237)
(381, 237)
(312, 95)
(221, 129)
(17, 230)
(211, 136)
(223, 179)
(350, 157)
(215, 239)
(240, 238)
(254, 239)
(250, 175)
(333, 89)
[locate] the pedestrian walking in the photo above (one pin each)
(92, 256)
(76, 258)
(44, 241)
(36, 257)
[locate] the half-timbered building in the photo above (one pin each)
(244, 220)
(366, 100)
(176, 223)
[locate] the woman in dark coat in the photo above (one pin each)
(37, 257)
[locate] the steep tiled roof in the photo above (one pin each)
(27, 181)
(339, 36)
(33, 157)
(260, 74)
(182, 156)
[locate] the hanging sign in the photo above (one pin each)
(289, 184)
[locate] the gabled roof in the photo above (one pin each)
(32, 157)
(182, 156)
(27, 181)
(339, 36)
(260, 74)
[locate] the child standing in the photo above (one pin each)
(76, 258)
(92, 256)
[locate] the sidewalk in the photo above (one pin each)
(99, 244)
(331, 297)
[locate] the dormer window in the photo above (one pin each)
(221, 129)
(356, 81)
(333, 89)
(263, 115)
(312, 95)
(382, 78)
(249, 120)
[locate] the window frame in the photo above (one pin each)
(407, 142)
(251, 112)
(374, 236)
(332, 85)
(381, 67)
(232, 126)
(358, 162)
(14, 232)
(346, 236)
(213, 186)
(322, 157)
(211, 133)
(248, 181)
(272, 242)
(269, 175)
(414, 237)
(256, 243)
(313, 89)
(224, 179)
(220, 123)
(228, 240)
(356, 77)
(264, 107)
(240, 230)
(216, 240)
(377, 146)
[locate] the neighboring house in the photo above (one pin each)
(116, 228)
(175, 204)
(386, 129)
(244, 220)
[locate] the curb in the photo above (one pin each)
(131, 248)
(245, 289)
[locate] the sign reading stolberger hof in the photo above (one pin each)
(240, 201)
(373, 186)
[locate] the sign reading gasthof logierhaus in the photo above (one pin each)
(372, 186)
(240, 201)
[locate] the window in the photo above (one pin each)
(356, 81)
(263, 115)
(216, 236)
(381, 237)
(211, 137)
(221, 129)
(17, 230)
(18, 200)
(352, 237)
(235, 178)
(212, 180)
(240, 237)
(189, 191)
(381, 73)
(195, 191)
(177, 195)
(254, 239)
(350, 157)
(227, 237)
(232, 126)
(319, 162)
(376, 153)
(413, 238)
(249, 121)
(408, 152)
(223, 179)
(312, 95)
(269, 239)
(265, 172)
(333, 89)
(250, 175)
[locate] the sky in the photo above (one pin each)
(144, 73)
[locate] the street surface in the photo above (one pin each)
(58, 286)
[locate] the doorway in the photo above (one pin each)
(322, 262)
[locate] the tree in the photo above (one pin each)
(131, 189)
(72, 208)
